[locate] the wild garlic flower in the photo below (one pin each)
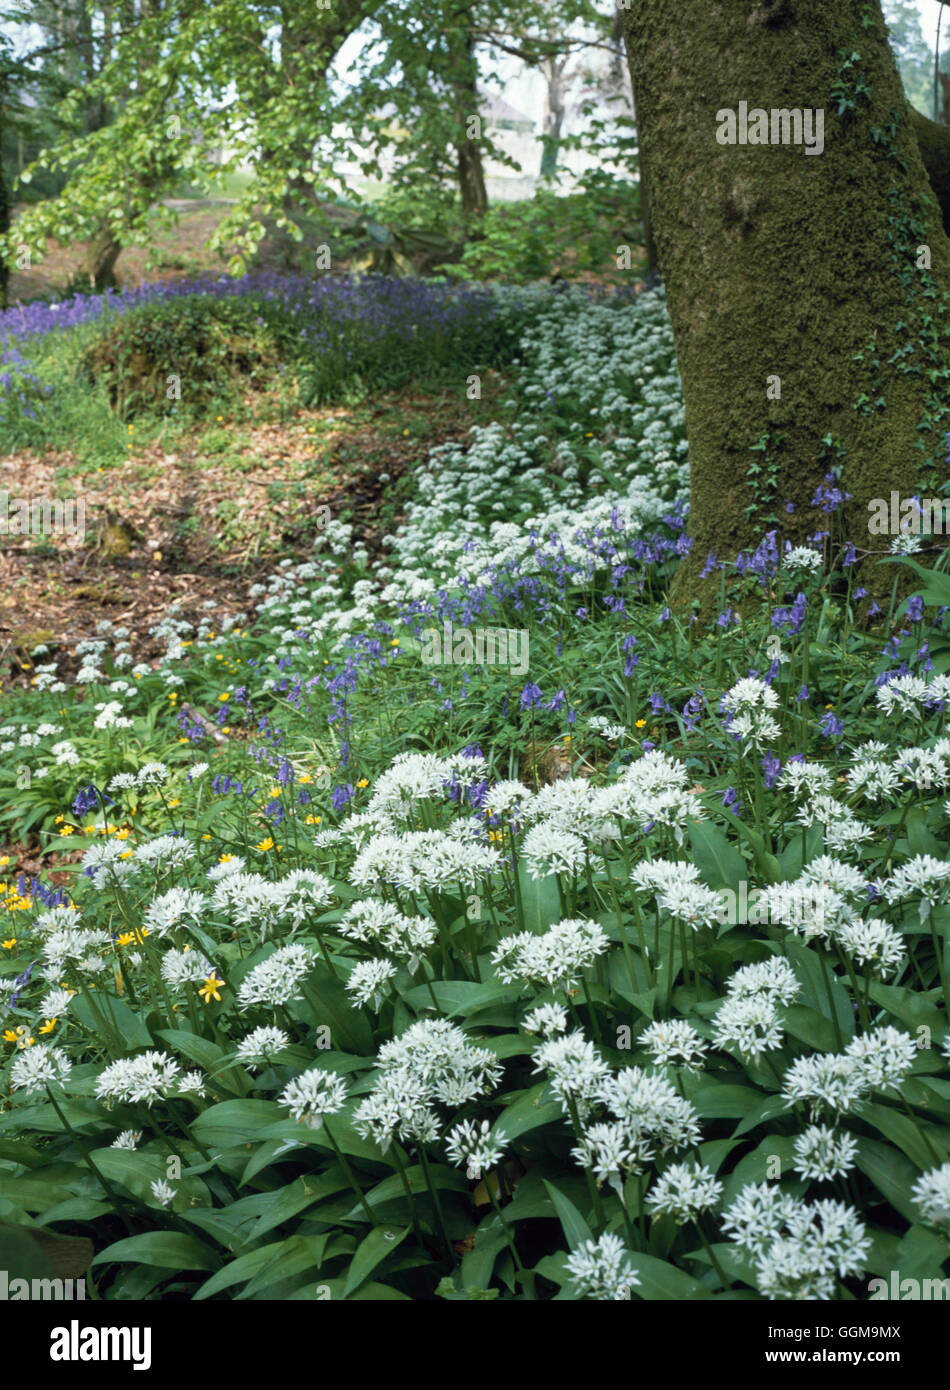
(431, 1063)
(261, 1045)
(922, 877)
(165, 852)
(148, 1077)
(613, 1150)
(674, 1042)
(651, 1108)
(163, 1192)
(932, 1196)
(549, 849)
(172, 908)
(874, 945)
(276, 980)
(822, 1153)
(312, 1095)
(34, 1068)
(684, 1192)
(180, 968)
(546, 1019)
(557, 959)
(127, 1139)
(369, 981)
(575, 1071)
(772, 979)
(748, 1023)
(601, 1269)
(474, 1145)
(798, 1248)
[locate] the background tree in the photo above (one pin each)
(807, 293)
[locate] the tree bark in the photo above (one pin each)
(933, 141)
(779, 264)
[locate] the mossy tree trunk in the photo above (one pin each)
(800, 267)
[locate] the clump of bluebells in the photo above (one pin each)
(450, 946)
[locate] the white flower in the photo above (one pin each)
(748, 1023)
(549, 849)
(163, 1192)
(474, 1145)
(546, 1019)
(601, 1269)
(932, 1195)
(148, 1077)
(261, 1043)
(313, 1095)
(824, 1153)
(36, 1067)
(180, 968)
(674, 1042)
(558, 958)
(802, 558)
(874, 944)
(277, 979)
(772, 979)
(684, 1191)
(369, 981)
(128, 1139)
(173, 907)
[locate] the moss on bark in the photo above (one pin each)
(782, 264)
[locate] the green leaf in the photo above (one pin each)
(330, 1006)
(719, 862)
(662, 1282)
(166, 1249)
(380, 1243)
(575, 1227)
(528, 1112)
(902, 1131)
(891, 1172)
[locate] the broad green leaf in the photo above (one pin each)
(375, 1248)
(166, 1249)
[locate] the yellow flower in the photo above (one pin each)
(211, 989)
(225, 858)
(305, 777)
(363, 782)
(67, 830)
(9, 945)
(174, 801)
(10, 1034)
(48, 1026)
(173, 694)
(127, 937)
(313, 820)
(266, 844)
(640, 723)
(394, 642)
(225, 696)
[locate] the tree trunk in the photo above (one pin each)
(464, 82)
(102, 252)
(792, 272)
(552, 70)
(933, 141)
(4, 192)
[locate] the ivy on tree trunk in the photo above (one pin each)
(807, 292)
